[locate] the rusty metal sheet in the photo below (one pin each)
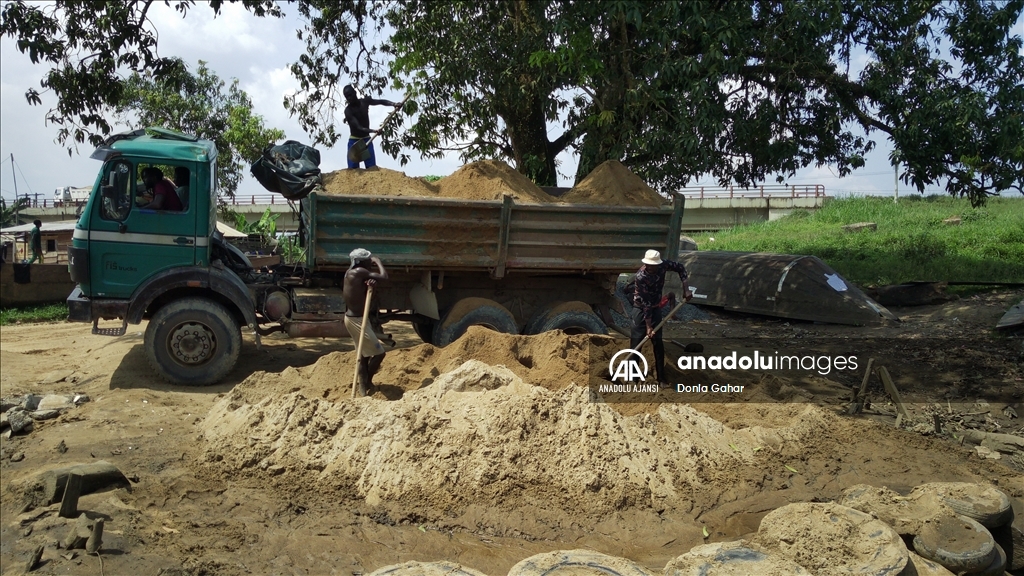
(782, 285)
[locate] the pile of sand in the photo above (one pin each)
(490, 180)
(458, 433)
(375, 182)
(610, 184)
(613, 184)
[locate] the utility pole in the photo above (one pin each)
(16, 217)
(896, 182)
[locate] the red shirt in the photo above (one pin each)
(171, 201)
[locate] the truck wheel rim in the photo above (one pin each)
(192, 343)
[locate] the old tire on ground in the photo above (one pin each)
(571, 317)
(443, 568)
(846, 541)
(193, 342)
(982, 502)
(577, 563)
(473, 312)
(959, 543)
(730, 559)
(425, 330)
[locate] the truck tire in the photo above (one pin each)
(571, 317)
(443, 568)
(193, 342)
(982, 502)
(473, 312)
(577, 563)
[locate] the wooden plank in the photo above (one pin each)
(504, 225)
(72, 490)
(894, 394)
(858, 396)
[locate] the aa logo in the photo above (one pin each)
(624, 367)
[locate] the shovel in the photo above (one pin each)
(660, 324)
(360, 151)
(362, 331)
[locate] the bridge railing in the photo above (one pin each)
(768, 191)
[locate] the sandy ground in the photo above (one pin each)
(189, 513)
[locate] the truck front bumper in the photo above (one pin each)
(81, 308)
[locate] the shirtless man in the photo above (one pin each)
(357, 279)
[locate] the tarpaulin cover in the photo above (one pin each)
(291, 169)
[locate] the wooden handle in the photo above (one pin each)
(362, 331)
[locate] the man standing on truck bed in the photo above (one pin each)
(357, 279)
(357, 115)
(647, 303)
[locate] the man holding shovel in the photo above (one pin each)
(647, 303)
(357, 115)
(358, 291)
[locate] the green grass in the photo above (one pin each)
(911, 242)
(31, 314)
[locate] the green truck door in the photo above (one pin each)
(129, 243)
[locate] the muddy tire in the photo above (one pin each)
(577, 563)
(426, 569)
(473, 312)
(918, 566)
(730, 559)
(570, 317)
(193, 342)
(982, 502)
(961, 544)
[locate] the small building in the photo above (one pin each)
(55, 236)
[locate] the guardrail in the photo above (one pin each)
(770, 191)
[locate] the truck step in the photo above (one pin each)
(109, 331)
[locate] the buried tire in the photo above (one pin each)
(959, 543)
(443, 568)
(473, 312)
(570, 317)
(193, 342)
(425, 330)
(577, 563)
(981, 502)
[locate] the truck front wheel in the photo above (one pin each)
(473, 312)
(193, 342)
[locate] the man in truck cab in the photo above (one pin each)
(162, 189)
(357, 280)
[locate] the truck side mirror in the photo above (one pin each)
(108, 191)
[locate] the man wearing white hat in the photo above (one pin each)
(647, 303)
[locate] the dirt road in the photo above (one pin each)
(486, 479)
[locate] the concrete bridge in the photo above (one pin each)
(707, 208)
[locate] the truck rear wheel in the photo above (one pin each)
(193, 342)
(473, 312)
(571, 317)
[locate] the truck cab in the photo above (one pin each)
(132, 261)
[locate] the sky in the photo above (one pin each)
(258, 52)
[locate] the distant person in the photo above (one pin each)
(36, 241)
(164, 196)
(357, 280)
(646, 313)
(181, 175)
(357, 116)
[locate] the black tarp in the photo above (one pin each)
(291, 169)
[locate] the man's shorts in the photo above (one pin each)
(371, 345)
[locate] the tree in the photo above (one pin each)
(741, 90)
(9, 214)
(198, 104)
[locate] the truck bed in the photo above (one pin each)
(499, 237)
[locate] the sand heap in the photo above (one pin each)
(610, 184)
(489, 180)
(375, 182)
(459, 433)
(613, 184)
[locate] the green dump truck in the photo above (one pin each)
(453, 264)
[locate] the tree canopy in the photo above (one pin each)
(198, 104)
(740, 90)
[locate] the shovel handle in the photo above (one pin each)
(660, 324)
(362, 331)
(388, 117)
